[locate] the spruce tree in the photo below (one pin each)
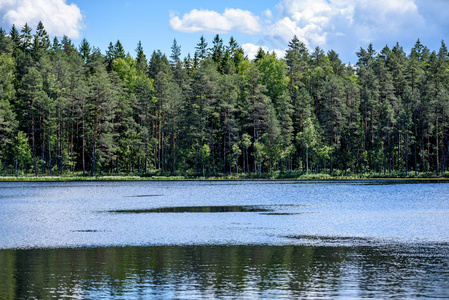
(175, 56)
(85, 50)
(141, 58)
(201, 48)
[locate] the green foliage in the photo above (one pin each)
(66, 109)
(22, 151)
(175, 56)
(129, 72)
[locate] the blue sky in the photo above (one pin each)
(342, 25)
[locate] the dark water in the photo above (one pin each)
(193, 240)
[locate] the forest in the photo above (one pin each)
(67, 109)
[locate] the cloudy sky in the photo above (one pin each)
(341, 25)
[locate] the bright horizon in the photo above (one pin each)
(340, 25)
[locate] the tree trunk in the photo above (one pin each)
(43, 150)
(49, 154)
(307, 160)
(406, 152)
(415, 154)
(146, 156)
(173, 149)
(437, 146)
(93, 161)
(94, 146)
(247, 161)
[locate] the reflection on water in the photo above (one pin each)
(226, 271)
(291, 239)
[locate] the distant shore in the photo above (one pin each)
(308, 177)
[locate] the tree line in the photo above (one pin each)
(72, 109)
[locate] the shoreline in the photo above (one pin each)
(315, 177)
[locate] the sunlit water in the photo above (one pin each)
(193, 240)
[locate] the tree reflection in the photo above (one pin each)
(220, 271)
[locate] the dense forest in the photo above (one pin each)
(72, 109)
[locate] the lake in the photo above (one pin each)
(224, 239)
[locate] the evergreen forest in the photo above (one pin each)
(71, 109)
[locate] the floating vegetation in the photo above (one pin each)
(328, 238)
(338, 240)
(195, 209)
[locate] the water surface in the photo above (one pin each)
(217, 239)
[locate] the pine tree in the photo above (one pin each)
(351, 132)
(388, 107)
(369, 96)
(225, 121)
(103, 97)
(8, 127)
(332, 114)
(8, 121)
(205, 91)
(65, 108)
(144, 92)
(168, 96)
(32, 95)
(82, 107)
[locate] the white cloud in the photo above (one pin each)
(385, 17)
(268, 14)
(321, 22)
(342, 25)
(279, 53)
(58, 17)
(309, 20)
(251, 50)
(281, 32)
(213, 22)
